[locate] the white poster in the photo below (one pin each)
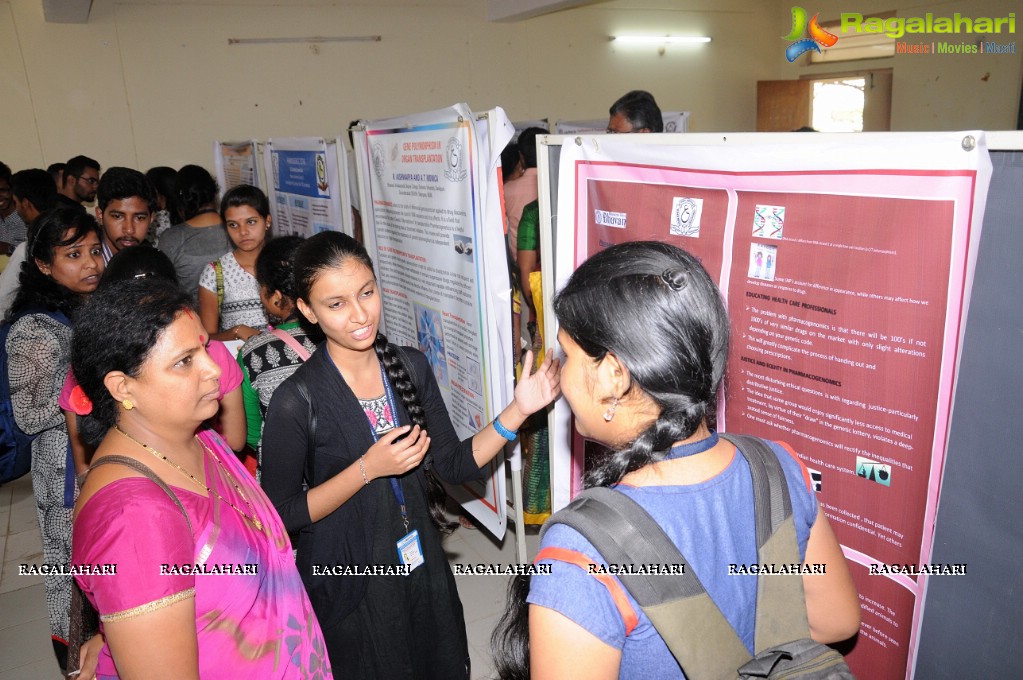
(236, 163)
(304, 185)
(674, 121)
(431, 222)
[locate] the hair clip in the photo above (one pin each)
(676, 279)
(80, 402)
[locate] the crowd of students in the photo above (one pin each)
(140, 411)
(323, 557)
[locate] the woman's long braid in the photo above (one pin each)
(406, 390)
(649, 447)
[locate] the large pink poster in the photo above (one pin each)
(846, 290)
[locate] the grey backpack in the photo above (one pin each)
(690, 623)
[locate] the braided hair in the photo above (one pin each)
(653, 306)
(330, 250)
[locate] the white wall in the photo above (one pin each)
(155, 84)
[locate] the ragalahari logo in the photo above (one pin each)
(818, 36)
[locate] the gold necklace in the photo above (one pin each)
(254, 520)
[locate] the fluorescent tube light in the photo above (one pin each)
(659, 39)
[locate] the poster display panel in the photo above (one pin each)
(674, 121)
(846, 290)
(236, 163)
(432, 226)
(304, 185)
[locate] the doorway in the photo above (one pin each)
(848, 102)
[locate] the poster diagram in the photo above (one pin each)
(430, 333)
(769, 221)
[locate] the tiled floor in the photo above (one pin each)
(25, 650)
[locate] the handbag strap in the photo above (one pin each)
(83, 615)
(291, 342)
(147, 472)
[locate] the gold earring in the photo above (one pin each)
(126, 403)
(609, 414)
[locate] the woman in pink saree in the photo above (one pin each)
(184, 558)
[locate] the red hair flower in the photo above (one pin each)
(80, 403)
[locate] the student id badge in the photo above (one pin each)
(410, 550)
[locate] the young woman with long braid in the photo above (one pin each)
(354, 424)
(645, 337)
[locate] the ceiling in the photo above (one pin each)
(77, 11)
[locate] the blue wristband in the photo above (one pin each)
(504, 431)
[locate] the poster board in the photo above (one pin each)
(236, 163)
(432, 224)
(304, 185)
(972, 625)
(674, 121)
(835, 309)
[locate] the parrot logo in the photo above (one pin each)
(818, 36)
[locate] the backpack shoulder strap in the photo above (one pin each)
(781, 602)
(145, 471)
(690, 622)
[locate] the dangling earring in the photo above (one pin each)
(126, 403)
(609, 414)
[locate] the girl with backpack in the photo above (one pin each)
(229, 301)
(645, 336)
(356, 422)
(63, 267)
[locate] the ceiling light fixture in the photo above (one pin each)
(659, 39)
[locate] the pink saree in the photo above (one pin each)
(252, 615)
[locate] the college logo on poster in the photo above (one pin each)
(321, 174)
(454, 161)
(685, 216)
(818, 36)
(377, 151)
(606, 218)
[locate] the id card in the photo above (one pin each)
(410, 550)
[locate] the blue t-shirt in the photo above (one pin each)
(712, 524)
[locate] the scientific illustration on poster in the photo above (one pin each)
(463, 245)
(430, 333)
(762, 261)
(769, 221)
